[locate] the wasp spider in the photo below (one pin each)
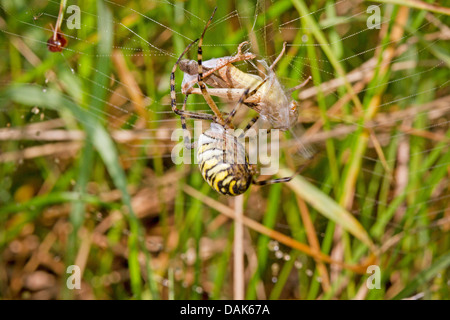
(222, 158)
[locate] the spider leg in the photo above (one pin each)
(272, 181)
(247, 93)
(278, 180)
(209, 100)
(186, 114)
(187, 137)
(233, 112)
(249, 125)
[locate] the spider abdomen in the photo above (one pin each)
(223, 161)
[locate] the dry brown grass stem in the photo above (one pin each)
(288, 241)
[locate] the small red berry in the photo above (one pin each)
(58, 44)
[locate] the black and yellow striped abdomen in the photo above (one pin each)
(223, 161)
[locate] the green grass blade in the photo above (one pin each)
(53, 99)
(327, 206)
(425, 276)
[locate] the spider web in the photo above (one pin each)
(153, 131)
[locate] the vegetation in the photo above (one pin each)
(87, 178)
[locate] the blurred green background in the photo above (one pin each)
(86, 176)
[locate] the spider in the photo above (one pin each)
(222, 158)
(271, 101)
